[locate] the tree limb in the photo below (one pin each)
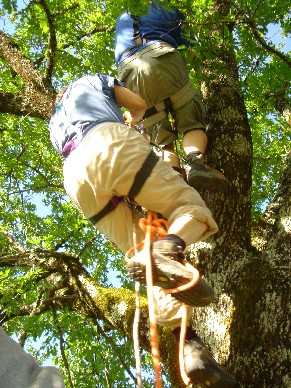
(37, 96)
(15, 243)
(52, 43)
(19, 63)
(61, 343)
(271, 49)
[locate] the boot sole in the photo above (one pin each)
(205, 182)
(169, 274)
(212, 375)
(202, 379)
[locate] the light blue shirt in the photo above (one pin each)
(87, 102)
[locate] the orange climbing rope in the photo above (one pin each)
(184, 376)
(136, 320)
(155, 228)
(152, 316)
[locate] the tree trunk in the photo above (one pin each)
(245, 326)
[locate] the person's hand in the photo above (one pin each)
(135, 105)
(128, 119)
(131, 118)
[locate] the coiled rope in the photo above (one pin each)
(155, 228)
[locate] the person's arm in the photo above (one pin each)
(135, 105)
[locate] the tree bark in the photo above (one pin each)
(36, 97)
(246, 324)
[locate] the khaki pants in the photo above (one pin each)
(158, 72)
(105, 163)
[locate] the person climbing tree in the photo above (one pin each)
(108, 166)
(150, 65)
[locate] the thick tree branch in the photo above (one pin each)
(52, 43)
(37, 95)
(93, 300)
(20, 64)
(275, 224)
(16, 104)
(35, 308)
(29, 103)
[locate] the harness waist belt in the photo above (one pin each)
(126, 52)
(138, 182)
(159, 111)
(151, 47)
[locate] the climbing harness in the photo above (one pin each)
(160, 111)
(138, 40)
(155, 228)
(139, 180)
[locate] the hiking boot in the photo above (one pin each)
(168, 272)
(200, 366)
(200, 175)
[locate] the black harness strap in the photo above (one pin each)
(138, 40)
(138, 182)
(136, 34)
(111, 205)
(153, 110)
(150, 112)
(168, 105)
(143, 173)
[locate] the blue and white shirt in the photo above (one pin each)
(87, 102)
(158, 25)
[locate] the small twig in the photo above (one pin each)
(62, 348)
(115, 348)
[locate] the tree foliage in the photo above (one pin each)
(62, 284)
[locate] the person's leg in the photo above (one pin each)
(92, 180)
(200, 366)
(199, 174)
(189, 221)
(166, 193)
(195, 141)
(122, 227)
(190, 121)
(171, 157)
